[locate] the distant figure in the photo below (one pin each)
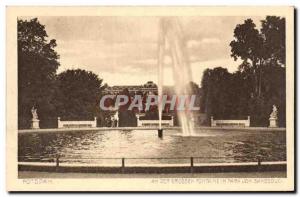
(116, 117)
(274, 113)
(34, 113)
(108, 121)
(115, 120)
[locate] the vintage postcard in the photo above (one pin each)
(150, 98)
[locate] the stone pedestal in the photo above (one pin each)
(273, 122)
(35, 124)
(160, 133)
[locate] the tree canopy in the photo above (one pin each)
(78, 94)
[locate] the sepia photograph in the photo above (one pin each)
(150, 98)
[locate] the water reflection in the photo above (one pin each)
(212, 146)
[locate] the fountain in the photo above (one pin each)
(171, 36)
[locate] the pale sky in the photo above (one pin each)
(123, 50)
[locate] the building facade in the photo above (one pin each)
(150, 86)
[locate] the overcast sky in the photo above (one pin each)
(123, 50)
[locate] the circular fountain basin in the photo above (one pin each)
(144, 146)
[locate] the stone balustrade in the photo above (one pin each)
(154, 123)
(230, 123)
(76, 124)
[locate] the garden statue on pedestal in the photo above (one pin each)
(274, 117)
(35, 122)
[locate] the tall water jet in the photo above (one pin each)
(171, 34)
(161, 49)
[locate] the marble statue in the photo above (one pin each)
(35, 121)
(273, 120)
(34, 113)
(274, 113)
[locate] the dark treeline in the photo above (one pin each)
(74, 94)
(259, 82)
(71, 95)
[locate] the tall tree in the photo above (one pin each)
(37, 65)
(263, 55)
(247, 45)
(273, 32)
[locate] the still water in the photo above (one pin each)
(103, 146)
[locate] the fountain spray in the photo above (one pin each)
(170, 32)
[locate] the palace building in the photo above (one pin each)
(150, 86)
